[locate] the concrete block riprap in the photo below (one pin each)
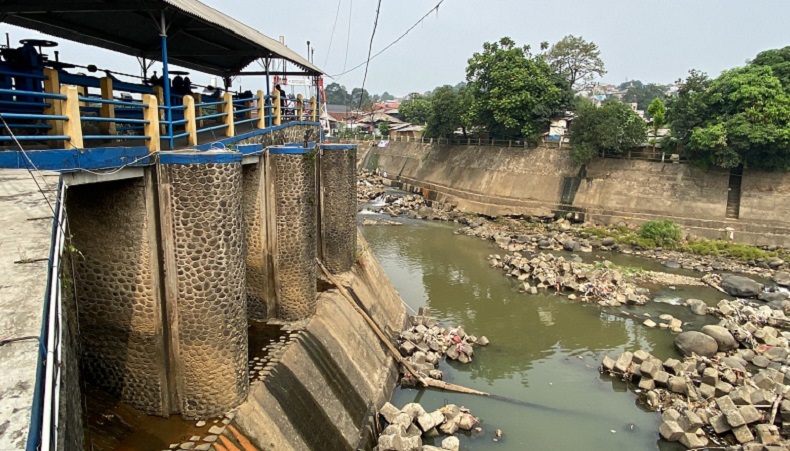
(294, 198)
(202, 228)
(338, 206)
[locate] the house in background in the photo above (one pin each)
(406, 130)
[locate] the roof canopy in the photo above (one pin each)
(198, 36)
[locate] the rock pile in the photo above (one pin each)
(416, 207)
(540, 233)
(406, 428)
(369, 186)
(710, 401)
(733, 386)
(604, 285)
(425, 343)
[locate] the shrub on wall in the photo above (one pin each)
(664, 233)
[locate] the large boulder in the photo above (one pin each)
(697, 306)
(782, 278)
(773, 296)
(696, 343)
(723, 337)
(740, 287)
(570, 246)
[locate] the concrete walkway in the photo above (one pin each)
(26, 224)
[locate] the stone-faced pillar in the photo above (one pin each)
(203, 236)
(338, 206)
(291, 191)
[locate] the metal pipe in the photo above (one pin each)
(268, 95)
(49, 421)
(166, 76)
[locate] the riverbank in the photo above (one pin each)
(502, 181)
(544, 234)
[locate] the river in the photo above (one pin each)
(544, 352)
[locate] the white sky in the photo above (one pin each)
(653, 41)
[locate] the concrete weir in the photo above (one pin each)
(327, 381)
(165, 265)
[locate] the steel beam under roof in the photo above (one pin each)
(198, 36)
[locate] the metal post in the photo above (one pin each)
(166, 76)
(268, 96)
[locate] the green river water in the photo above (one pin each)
(544, 351)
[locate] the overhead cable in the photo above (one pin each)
(435, 8)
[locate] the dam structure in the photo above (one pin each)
(153, 230)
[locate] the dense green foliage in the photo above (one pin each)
(779, 62)
(384, 128)
(642, 94)
(576, 60)
(513, 93)
(336, 94)
(415, 110)
(663, 233)
(447, 107)
(613, 128)
(740, 118)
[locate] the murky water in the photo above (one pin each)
(544, 350)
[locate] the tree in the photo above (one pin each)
(446, 113)
(513, 94)
(683, 112)
(779, 62)
(386, 97)
(415, 110)
(384, 128)
(577, 60)
(336, 94)
(360, 98)
(658, 112)
(612, 129)
(643, 94)
(740, 118)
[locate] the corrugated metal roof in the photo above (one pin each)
(199, 37)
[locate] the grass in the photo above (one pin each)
(702, 247)
(626, 271)
(720, 248)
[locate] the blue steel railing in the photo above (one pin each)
(31, 121)
(135, 107)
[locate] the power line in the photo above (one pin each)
(370, 50)
(348, 33)
(435, 8)
(332, 36)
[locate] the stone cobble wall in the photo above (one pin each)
(339, 209)
(211, 301)
(295, 203)
(292, 134)
(70, 434)
(119, 309)
(260, 303)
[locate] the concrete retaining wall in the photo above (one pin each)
(338, 206)
(332, 375)
(542, 181)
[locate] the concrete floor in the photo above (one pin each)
(26, 223)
